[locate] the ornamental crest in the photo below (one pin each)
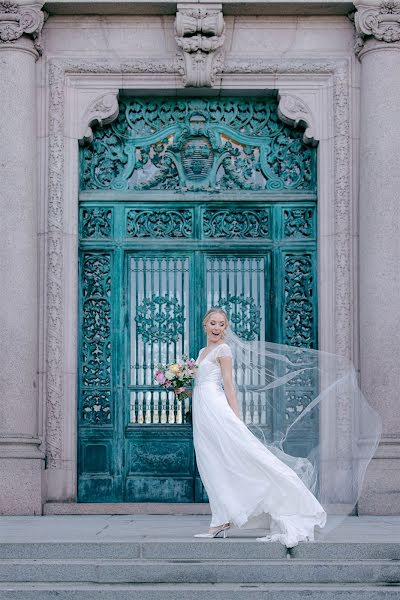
(198, 144)
(197, 158)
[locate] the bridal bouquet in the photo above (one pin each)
(176, 375)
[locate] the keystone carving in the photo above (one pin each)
(376, 20)
(199, 33)
(17, 20)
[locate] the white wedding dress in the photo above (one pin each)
(242, 477)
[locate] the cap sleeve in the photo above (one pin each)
(223, 351)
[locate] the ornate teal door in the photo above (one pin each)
(184, 204)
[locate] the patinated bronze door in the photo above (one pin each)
(184, 204)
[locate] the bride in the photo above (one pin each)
(242, 477)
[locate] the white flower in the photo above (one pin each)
(169, 375)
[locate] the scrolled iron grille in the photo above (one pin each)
(237, 284)
(159, 307)
(236, 224)
(160, 223)
(96, 222)
(299, 291)
(96, 331)
(299, 222)
(198, 144)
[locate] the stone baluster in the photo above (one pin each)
(20, 457)
(378, 47)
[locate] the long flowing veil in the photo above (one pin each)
(306, 406)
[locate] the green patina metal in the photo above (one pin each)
(198, 144)
(185, 203)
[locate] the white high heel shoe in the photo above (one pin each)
(215, 534)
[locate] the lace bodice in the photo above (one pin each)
(209, 370)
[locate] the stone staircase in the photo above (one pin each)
(219, 569)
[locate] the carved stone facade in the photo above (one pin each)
(380, 21)
(314, 79)
(17, 20)
(199, 30)
(69, 77)
(378, 48)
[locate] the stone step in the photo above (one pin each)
(200, 571)
(126, 508)
(249, 591)
(199, 549)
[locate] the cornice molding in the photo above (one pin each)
(379, 21)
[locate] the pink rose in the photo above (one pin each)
(160, 377)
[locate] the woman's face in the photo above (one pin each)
(215, 327)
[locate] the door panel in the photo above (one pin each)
(143, 291)
(238, 284)
(185, 203)
(159, 445)
(159, 331)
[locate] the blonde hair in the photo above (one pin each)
(215, 309)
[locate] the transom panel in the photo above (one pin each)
(198, 144)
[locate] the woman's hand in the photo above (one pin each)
(178, 391)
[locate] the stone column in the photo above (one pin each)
(378, 47)
(20, 457)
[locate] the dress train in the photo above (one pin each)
(243, 478)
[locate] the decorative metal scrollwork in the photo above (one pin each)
(96, 320)
(236, 224)
(160, 318)
(298, 310)
(96, 222)
(244, 316)
(96, 407)
(198, 144)
(298, 222)
(295, 403)
(167, 223)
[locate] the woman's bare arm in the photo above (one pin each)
(229, 388)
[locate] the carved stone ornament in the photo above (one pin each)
(104, 109)
(199, 32)
(294, 111)
(17, 20)
(335, 190)
(377, 20)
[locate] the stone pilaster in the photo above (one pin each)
(378, 47)
(20, 457)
